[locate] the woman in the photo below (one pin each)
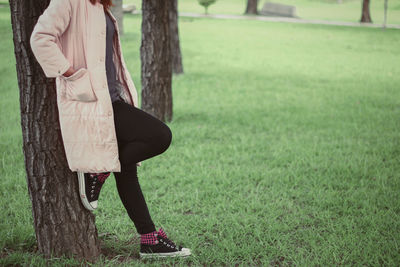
(103, 130)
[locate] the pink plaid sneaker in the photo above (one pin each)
(157, 244)
(90, 185)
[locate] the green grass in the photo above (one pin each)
(349, 10)
(285, 150)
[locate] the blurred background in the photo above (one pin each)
(333, 10)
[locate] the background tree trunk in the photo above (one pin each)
(155, 54)
(385, 13)
(251, 7)
(118, 14)
(365, 15)
(176, 60)
(62, 225)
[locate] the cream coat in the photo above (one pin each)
(73, 33)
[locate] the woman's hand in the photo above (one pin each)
(69, 72)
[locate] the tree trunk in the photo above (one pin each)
(118, 14)
(385, 13)
(156, 72)
(176, 60)
(365, 15)
(62, 225)
(251, 7)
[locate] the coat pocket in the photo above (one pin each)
(79, 86)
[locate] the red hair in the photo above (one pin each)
(106, 3)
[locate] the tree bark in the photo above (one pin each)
(385, 13)
(365, 15)
(118, 14)
(251, 7)
(176, 60)
(155, 53)
(62, 225)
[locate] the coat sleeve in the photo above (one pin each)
(49, 27)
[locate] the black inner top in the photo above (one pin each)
(113, 84)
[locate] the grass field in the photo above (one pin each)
(349, 10)
(285, 150)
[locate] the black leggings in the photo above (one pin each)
(140, 136)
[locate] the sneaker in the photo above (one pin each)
(158, 245)
(89, 188)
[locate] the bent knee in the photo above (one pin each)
(165, 138)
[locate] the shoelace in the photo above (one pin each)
(163, 237)
(171, 243)
(97, 182)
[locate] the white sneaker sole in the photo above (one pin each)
(183, 253)
(82, 193)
